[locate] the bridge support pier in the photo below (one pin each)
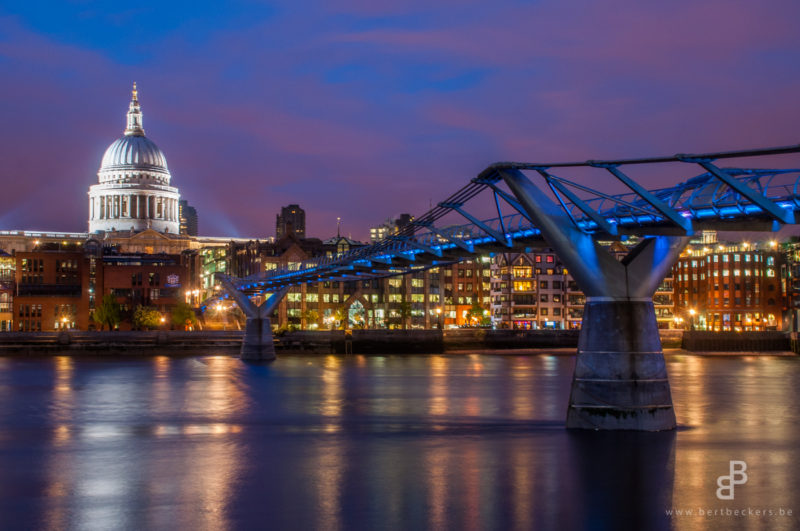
(620, 380)
(257, 344)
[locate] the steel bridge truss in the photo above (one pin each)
(721, 198)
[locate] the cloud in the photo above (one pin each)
(367, 109)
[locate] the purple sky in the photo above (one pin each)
(372, 108)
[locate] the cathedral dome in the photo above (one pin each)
(134, 152)
(133, 190)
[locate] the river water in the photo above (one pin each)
(418, 442)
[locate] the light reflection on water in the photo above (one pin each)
(439, 442)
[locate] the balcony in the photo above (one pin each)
(523, 300)
(49, 290)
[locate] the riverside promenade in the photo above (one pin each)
(180, 343)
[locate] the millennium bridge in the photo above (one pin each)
(620, 379)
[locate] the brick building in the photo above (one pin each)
(50, 292)
(60, 288)
(730, 287)
(7, 288)
(159, 281)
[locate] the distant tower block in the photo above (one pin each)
(188, 217)
(292, 219)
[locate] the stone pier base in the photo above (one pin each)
(620, 380)
(257, 344)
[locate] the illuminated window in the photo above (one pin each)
(522, 272)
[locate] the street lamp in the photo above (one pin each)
(439, 318)
(691, 317)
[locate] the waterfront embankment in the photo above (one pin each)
(179, 343)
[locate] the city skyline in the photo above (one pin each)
(352, 116)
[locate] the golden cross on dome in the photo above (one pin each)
(135, 92)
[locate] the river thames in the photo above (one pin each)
(415, 442)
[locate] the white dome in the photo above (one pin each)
(132, 153)
(133, 190)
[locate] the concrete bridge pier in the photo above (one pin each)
(620, 380)
(257, 344)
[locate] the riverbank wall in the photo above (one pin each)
(370, 341)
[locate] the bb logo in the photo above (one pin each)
(737, 476)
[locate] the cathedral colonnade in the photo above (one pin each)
(134, 206)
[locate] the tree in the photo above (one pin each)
(311, 317)
(477, 314)
(341, 316)
(146, 318)
(405, 313)
(108, 312)
(183, 315)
